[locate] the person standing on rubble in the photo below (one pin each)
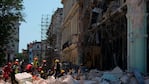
(57, 68)
(35, 65)
(7, 71)
(43, 69)
(15, 70)
(44, 65)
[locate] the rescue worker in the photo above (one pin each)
(35, 66)
(35, 63)
(15, 70)
(44, 65)
(62, 73)
(7, 71)
(22, 66)
(41, 72)
(15, 67)
(44, 69)
(29, 67)
(57, 68)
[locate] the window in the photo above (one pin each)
(37, 46)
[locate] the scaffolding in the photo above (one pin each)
(45, 21)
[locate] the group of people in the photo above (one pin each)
(34, 68)
(9, 71)
(43, 69)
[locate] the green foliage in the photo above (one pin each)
(2, 58)
(10, 16)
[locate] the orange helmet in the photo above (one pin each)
(44, 61)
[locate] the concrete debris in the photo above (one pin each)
(2, 82)
(108, 76)
(125, 79)
(133, 80)
(94, 73)
(117, 72)
(21, 78)
(28, 82)
(115, 76)
(146, 80)
(69, 80)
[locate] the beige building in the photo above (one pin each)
(70, 31)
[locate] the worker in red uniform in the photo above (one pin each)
(29, 68)
(7, 71)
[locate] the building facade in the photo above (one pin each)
(70, 31)
(54, 34)
(107, 33)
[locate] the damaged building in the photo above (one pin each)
(105, 37)
(106, 33)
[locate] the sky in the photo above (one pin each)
(30, 30)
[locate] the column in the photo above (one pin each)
(136, 35)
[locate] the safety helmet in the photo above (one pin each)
(17, 60)
(62, 71)
(56, 60)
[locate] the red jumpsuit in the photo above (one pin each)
(7, 71)
(29, 68)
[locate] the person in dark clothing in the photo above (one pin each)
(62, 73)
(13, 72)
(44, 69)
(22, 66)
(57, 68)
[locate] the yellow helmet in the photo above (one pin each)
(56, 60)
(62, 71)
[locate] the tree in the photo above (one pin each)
(10, 15)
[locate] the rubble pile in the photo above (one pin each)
(21, 78)
(115, 76)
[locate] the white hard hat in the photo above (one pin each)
(17, 59)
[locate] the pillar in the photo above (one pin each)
(136, 35)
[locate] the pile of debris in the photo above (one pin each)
(115, 76)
